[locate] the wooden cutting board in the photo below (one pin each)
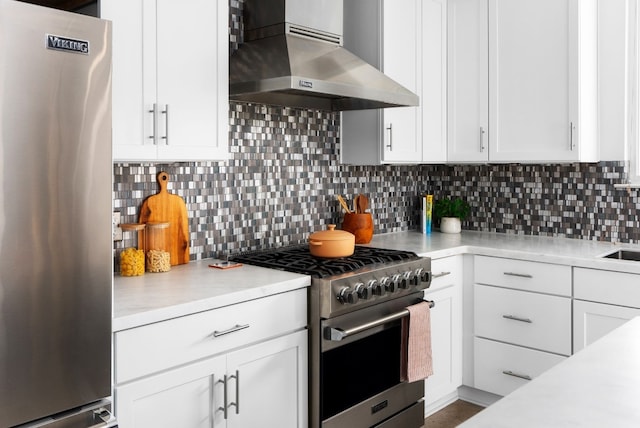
(166, 207)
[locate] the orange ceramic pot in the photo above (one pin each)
(331, 243)
(361, 225)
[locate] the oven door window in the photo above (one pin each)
(359, 370)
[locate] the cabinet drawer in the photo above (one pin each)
(529, 319)
(160, 346)
(500, 368)
(445, 273)
(523, 275)
(616, 288)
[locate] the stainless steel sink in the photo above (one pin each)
(632, 255)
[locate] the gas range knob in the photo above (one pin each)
(416, 278)
(379, 287)
(425, 276)
(405, 280)
(347, 295)
(393, 283)
(363, 291)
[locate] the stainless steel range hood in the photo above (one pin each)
(293, 57)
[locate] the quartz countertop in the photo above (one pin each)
(573, 252)
(194, 287)
(596, 387)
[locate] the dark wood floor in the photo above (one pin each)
(452, 415)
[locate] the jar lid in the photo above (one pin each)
(331, 234)
(132, 226)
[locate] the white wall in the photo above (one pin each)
(611, 69)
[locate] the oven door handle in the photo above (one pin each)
(336, 334)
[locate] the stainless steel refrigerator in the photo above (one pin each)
(55, 217)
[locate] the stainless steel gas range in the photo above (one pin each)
(356, 305)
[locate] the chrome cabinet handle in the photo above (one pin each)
(390, 129)
(154, 135)
(482, 132)
(166, 124)
(236, 404)
(237, 327)
(519, 275)
(518, 375)
(226, 399)
(571, 128)
(440, 275)
(515, 318)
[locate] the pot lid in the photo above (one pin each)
(331, 234)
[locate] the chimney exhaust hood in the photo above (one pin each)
(293, 57)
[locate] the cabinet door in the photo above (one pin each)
(131, 119)
(433, 97)
(446, 331)
(187, 397)
(192, 79)
(532, 74)
(591, 321)
(401, 61)
(387, 35)
(272, 388)
(468, 80)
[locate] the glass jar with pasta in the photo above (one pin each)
(158, 255)
(132, 258)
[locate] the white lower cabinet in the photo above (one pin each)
(520, 330)
(242, 365)
(501, 368)
(446, 332)
(604, 300)
(265, 386)
(592, 320)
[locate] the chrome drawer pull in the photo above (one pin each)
(518, 375)
(519, 275)
(237, 327)
(440, 275)
(515, 318)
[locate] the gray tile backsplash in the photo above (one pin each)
(284, 174)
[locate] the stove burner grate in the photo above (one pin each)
(298, 259)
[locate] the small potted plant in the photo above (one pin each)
(451, 212)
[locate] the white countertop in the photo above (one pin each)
(596, 387)
(574, 252)
(195, 287)
(191, 288)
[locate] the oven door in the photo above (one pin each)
(360, 382)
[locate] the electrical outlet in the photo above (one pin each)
(115, 226)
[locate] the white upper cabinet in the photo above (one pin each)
(537, 99)
(433, 98)
(401, 62)
(170, 79)
(468, 69)
(385, 34)
(406, 40)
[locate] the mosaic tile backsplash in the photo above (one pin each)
(281, 182)
(284, 175)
